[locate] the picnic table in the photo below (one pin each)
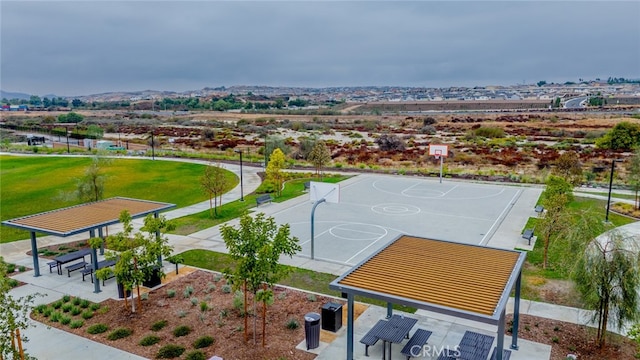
(393, 330)
(73, 256)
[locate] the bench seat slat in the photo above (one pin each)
(419, 338)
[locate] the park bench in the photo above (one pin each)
(371, 337)
(307, 186)
(52, 264)
(263, 199)
(528, 234)
(74, 267)
(417, 341)
(539, 209)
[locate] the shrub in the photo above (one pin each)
(119, 333)
(11, 268)
(76, 324)
(203, 342)
(194, 301)
(311, 297)
(75, 310)
(144, 296)
(489, 132)
(97, 329)
(181, 330)
(238, 301)
(13, 283)
(158, 325)
(67, 307)
(182, 313)
(84, 303)
(171, 293)
(187, 291)
(56, 305)
(47, 312)
(88, 314)
(170, 351)
(66, 298)
(65, 320)
(293, 324)
(55, 316)
(41, 308)
(149, 340)
(226, 288)
(196, 355)
(76, 301)
(203, 306)
(22, 268)
(94, 306)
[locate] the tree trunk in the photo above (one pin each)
(210, 206)
(605, 319)
(264, 317)
(135, 268)
(254, 319)
(246, 324)
(20, 350)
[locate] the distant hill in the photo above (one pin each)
(13, 95)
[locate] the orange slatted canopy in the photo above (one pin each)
(86, 217)
(468, 281)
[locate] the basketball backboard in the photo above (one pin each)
(439, 150)
(327, 191)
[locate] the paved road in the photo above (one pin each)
(575, 103)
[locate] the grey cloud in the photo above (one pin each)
(84, 47)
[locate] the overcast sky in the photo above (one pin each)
(85, 47)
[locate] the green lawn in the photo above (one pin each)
(31, 185)
(297, 278)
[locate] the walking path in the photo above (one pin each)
(49, 343)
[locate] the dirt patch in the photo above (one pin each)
(566, 338)
(560, 292)
(218, 318)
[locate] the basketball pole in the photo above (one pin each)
(313, 212)
(441, 161)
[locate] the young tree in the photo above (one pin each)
(634, 175)
(214, 183)
(608, 276)
(137, 255)
(556, 218)
(90, 187)
(14, 316)
(568, 166)
(319, 156)
(256, 246)
(274, 169)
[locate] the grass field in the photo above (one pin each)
(35, 184)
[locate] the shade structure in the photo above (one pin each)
(467, 281)
(83, 218)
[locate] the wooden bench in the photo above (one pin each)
(528, 234)
(418, 340)
(263, 199)
(74, 267)
(52, 264)
(371, 337)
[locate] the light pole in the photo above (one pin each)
(613, 166)
(241, 190)
(265, 150)
(68, 150)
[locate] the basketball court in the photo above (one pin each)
(369, 210)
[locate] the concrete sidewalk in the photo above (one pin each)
(48, 343)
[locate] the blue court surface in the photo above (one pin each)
(374, 209)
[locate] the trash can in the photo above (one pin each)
(331, 316)
(312, 330)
